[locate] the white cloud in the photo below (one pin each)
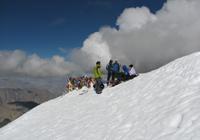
(145, 39)
(135, 18)
(96, 48)
(19, 63)
(9, 61)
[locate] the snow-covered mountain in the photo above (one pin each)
(160, 105)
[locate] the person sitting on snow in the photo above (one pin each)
(132, 72)
(125, 72)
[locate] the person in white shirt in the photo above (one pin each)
(132, 72)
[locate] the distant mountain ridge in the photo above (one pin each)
(55, 85)
(20, 94)
(39, 96)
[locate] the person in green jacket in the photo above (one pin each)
(98, 78)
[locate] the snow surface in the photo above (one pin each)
(160, 105)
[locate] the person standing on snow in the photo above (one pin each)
(98, 78)
(115, 72)
(109, 68)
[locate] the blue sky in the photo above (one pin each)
(44, 26)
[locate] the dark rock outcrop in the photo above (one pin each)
(28, 105)
(4, 122)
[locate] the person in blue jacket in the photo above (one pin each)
(115, 71)
(125, 71)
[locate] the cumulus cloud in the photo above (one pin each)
(145, 39)
(135, 18)
(142, 38)
(19, 63)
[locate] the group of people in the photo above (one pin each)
(114, 74)
(79, 82)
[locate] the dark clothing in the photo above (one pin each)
(115, 71)
(98, 86)
(132, 76)
(109, 68)
(113, 76)
(116, 67)
(108, 77)
(125, 70)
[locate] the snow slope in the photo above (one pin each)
(160, 105)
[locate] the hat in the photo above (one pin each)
(98, 62)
